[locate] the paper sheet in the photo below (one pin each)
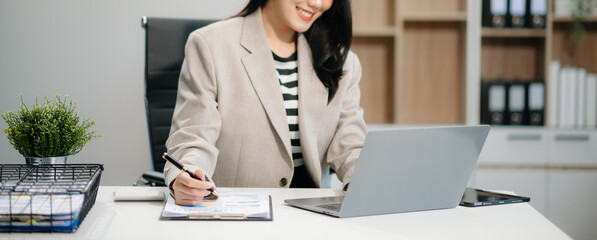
(41, 212)
(58, 205)
(255, 204)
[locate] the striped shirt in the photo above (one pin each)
(287, 70)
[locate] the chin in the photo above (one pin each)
(301, 28)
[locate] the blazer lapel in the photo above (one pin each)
(313, 97)
(259, 65)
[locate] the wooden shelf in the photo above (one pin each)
(361, 31)
(435, 17)
(570, 19)
(512, 33)
(398, 42)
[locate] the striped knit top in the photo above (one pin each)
(287, 70)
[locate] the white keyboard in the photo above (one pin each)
(140, 194)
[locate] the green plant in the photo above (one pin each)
(580, 10)
(48, 130)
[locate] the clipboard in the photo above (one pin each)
(245, 206)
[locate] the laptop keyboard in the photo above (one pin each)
(331, 206)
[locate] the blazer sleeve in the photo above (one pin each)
(196, 121)
(345, 147)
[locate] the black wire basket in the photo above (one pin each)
(46, 198)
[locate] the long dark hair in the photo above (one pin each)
(329, 38)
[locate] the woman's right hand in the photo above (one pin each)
(190, 191)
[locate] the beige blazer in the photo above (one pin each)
(230, 118)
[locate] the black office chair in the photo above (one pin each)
(164, 52)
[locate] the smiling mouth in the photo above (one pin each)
(304, 14)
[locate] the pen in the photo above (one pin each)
(183, 168)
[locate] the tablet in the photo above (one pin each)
(476, 198)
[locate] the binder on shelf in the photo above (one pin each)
(494, 102)
(567, 98)
(536, 103)
(562, 93)
(494, 13)
(567, 8)
(562, 8)
(591, 100)
(581, 97)
(516, 103)
(484, 101)
(538, 9)
(571, 95)
(552, 94)
(517, 13)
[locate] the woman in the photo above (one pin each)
(269, 98)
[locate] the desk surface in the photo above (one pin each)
(140, 220)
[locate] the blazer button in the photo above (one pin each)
(283, 182)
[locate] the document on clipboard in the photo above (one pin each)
(229, 206)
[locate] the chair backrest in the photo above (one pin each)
(165, 40)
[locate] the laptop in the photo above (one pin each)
(405, 170)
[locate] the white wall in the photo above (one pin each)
(93, 51)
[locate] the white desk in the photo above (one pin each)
(140, 220)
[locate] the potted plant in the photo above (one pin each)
(581, 9)
(48, 133)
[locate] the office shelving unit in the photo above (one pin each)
(550, 164)
(423, 61)
(413, 57)
(525, 53)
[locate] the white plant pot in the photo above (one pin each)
(45, 160)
